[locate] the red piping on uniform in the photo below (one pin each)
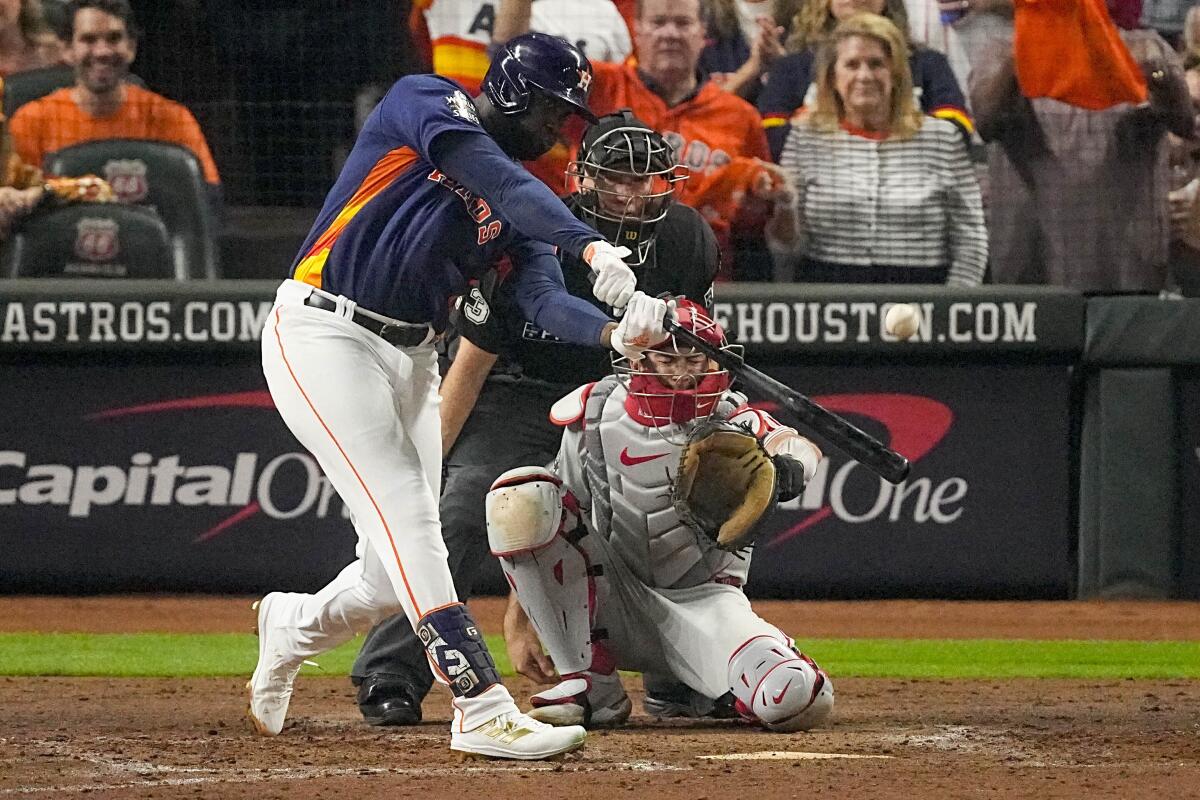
(403, 577)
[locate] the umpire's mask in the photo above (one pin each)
(625, 177)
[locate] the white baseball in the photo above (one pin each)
(902, 320)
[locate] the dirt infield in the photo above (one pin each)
(891, 738)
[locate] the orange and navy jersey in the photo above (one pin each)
(401, 236)
(454, 36)
(790, 79)
(713, 132)
(56, 121)
(396, 234)
(707, 129)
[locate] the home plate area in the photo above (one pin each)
(104, 738)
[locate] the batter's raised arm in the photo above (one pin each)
(478, 163)
(545, 301)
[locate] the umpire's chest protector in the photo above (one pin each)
(643, 528)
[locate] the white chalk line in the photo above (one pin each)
(190, 776)
(786, 755)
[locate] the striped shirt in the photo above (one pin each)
(910, 203)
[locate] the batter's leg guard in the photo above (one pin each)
(534, 529)
(779, 686)
(457, 651)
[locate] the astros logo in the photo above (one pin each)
(585, 79)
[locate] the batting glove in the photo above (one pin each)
(642, 325)
(615, 281)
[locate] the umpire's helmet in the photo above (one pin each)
(626, 176)
(538, 62)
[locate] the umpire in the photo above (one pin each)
(507, 373)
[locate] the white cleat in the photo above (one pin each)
(271, 685)
(517, 736)
(593, 701)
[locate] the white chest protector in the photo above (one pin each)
(626, 468)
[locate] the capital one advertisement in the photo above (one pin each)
(165, 475)
(984, 512)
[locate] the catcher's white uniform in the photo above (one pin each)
(621, 582)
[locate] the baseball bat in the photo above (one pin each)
(851, 440)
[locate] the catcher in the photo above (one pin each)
(631, 551)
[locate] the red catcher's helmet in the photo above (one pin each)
(653, 401)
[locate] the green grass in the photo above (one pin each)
(230, 654)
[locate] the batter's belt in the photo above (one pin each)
(392, 331)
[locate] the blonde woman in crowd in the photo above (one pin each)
(884, 193)
(26, 42)
(789, 89)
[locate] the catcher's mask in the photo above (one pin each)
(625, 175)
(672, 383)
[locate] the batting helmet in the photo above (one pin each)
(538, 62)
(626, 174)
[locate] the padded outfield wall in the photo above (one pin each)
(139, 449)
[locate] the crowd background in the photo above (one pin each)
(994, 141)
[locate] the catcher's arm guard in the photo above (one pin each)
(725, 484)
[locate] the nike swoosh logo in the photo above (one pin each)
(779, 697)
(633, 461)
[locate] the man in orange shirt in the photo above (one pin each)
(718, 135)
(100, 45)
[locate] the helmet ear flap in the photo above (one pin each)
(512, 92)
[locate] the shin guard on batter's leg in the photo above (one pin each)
(460, 658)
(779, 686)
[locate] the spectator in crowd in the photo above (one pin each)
(1125, 14)
(454, 37)
(23, 190)
(100, 42)
(744, 39)
(789, 85)
(966, 25)
(451, 38)
(885, 194)
(717, 135)
(26, 42)
(1190, 38)
(1077, 112)
(1166, 17)
(594, 26)
(21, 187)
(1184, 198)
(932, 26)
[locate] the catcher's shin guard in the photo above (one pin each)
(779, 686)
(457, 651)
(551, 575)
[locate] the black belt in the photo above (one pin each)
(403, 335)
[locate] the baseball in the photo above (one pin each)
(902, 320)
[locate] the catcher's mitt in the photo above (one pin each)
(725, 483)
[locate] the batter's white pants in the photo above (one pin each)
(368, 412)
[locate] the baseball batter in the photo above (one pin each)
(429, 197)
(609, 575)
(508, 372)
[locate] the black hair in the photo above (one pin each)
(116, 8)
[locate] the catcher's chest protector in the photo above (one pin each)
(629, 468)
